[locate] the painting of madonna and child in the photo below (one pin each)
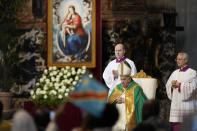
(71, 40)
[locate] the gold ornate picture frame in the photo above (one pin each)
(71, 33)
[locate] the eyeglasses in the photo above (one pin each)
(179, 59)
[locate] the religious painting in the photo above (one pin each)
(71, 33)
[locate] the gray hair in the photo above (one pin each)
(185, 55)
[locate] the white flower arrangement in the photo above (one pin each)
(55, 85)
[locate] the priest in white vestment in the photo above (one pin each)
(181, 88)
(110, 74)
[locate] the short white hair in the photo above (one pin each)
(185, 55)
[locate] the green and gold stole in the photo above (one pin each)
(129, 102)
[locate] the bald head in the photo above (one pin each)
(119, 51)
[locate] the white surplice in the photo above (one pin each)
(183, 99)
(120, 125)
(109, 78)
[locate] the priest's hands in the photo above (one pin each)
(120, 100)
(175, 83)
(115, 74)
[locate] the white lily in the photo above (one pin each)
(54, 68)
(45, 71)
(60, 96)
(66, 94)
(84, 67)
(45, 96)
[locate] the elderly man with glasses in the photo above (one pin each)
(181, 88)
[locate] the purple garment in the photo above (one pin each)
(121, 59)
(184, 69)
(175, 126)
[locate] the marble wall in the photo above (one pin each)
(32, 46)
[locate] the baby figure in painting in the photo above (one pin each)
(66, 23)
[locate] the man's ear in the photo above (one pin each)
(124, 51)
(186, 61)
